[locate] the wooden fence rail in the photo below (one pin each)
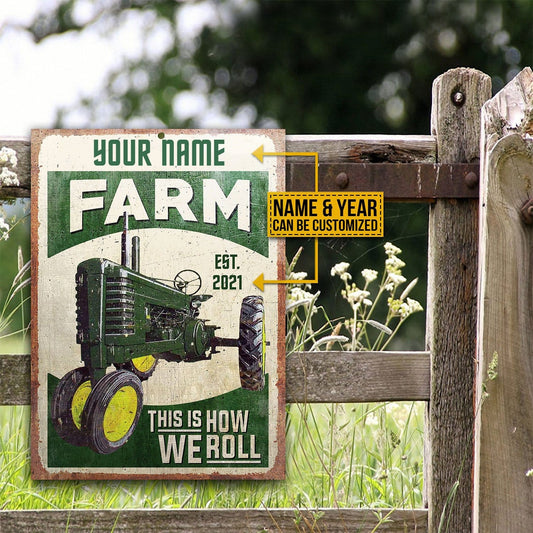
(312, 377)
(214, 520)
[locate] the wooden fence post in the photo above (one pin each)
(503, 492)
(451, 307)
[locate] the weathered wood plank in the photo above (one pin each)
(14, 379)
(311, 377)
(503, 496)
(365, 148)
(209, 520)
(357, 376)
(451, 322)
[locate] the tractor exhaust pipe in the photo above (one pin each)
(126, 245)
(135, 253)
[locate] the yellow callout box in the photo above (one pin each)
(325, 214)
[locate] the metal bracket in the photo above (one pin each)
(425, 182)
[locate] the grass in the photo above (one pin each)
(338, 455)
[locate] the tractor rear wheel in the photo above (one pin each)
(68, 404)
(143, 367)
(112, 411)
(252, 343)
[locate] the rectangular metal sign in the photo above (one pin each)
(153, 354)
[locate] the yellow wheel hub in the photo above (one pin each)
(120, 414)
(78, 402)
(144, 363)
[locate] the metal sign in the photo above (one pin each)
(153, 354)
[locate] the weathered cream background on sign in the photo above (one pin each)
(163, 253)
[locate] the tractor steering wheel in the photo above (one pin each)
(188, 281)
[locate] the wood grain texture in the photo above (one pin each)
(451, 319)
(212, 520)
(357, 376)
(364, 148)
(503, 497)
(311, 377)
(14, 379)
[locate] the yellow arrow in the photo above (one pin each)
(260, 153)
(260, 281)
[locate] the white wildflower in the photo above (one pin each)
(529, 473)
(298, 275)
(8, 161)
(393, 263)
(414, 305)
(297, 294)
(409, 307)
(391, 250)
(8, 178)
(340, 268)
(393, 280)
(369, 275)
(4, 229)
(8, 157)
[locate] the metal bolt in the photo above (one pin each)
(471, 180)
(458, 98)
(527, 212)
(342, 180)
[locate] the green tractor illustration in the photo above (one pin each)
(128, 320)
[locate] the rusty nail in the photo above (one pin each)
(458, 98)
(471, 180)
(527, 212)
(342, 180)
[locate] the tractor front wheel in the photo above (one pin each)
(112, 411)
(68, 404)
(143, 367)
(252, 343)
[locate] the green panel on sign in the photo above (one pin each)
(229, 205)
(231, 432)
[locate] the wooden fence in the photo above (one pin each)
(451, 376)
